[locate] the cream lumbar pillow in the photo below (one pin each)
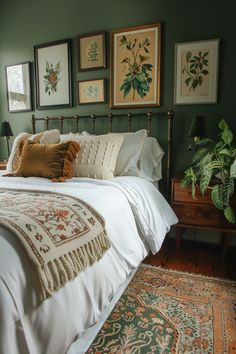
(97, 155)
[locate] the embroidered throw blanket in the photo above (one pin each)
(62, 235)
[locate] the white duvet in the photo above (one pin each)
(137, 219)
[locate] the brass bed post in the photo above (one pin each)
(77, 123)
(149, 126)
(93, 122)
(33, 123)
(110, 116)
(129, 115)
(46, 122)
(169, 150)
(61, 119)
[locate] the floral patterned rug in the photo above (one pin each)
(165, 311)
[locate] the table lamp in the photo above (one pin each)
(198, 128)
(6, 132)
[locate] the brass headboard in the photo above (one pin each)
(169, 115)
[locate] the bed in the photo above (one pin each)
(137, 218)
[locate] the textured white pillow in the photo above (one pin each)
(150, 160)
(129, 154)
(97, 155)
(46, 137)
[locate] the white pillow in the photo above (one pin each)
(150, 163)
(50, 137)
(97, 155)
(139, 155)
(129, 154)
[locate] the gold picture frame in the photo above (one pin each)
(91, 91)
(196, 72)
(135, 55)
(92, 51)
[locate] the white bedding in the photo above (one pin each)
(137, 219)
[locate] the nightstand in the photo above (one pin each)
(199, 213)
(3, 164)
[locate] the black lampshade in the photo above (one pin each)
(198, 128)
(6, 129)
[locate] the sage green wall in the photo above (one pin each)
(26, 23)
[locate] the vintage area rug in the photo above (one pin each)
(165, 311)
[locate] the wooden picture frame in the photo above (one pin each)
(18, 87)
(135, 55)
(91, 91)
(92, 51)
(196, 72)
(53, 74)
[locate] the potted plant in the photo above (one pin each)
(215, 160)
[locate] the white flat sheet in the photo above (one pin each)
(137, 218)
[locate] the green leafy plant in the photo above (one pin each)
(195, 69)
(215, 159)
(138, 70)
(92, 51)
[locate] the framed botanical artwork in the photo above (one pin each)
(196, 72)
(53, 74)
(92, 51)
(18, 87)
(91, 91)
(135, 66)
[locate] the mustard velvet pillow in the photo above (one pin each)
(47, 160)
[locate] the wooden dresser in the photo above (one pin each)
(199, 213)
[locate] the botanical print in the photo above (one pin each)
(92, 51)
(135, 75)
(52, 77)
(53, 74)
(136, 67)
(195, 68)
(91, 91)
(196, 72)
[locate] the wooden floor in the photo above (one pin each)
(196, 257)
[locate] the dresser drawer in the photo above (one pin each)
(201, 215)
(180, 194)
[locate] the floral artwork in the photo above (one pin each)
(52, 77)
(91, 91)
(92, 51)
(196, 72)
(195, 69)
(53, 74)
(136, 67)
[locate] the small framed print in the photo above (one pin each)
(18, 87)
(53, 74)
(91, 91)
(92, 51)
(196, 72)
